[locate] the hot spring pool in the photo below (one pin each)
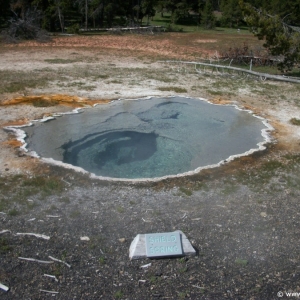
(148, 138)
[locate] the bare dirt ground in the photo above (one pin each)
(242, 218)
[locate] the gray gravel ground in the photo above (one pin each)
(244, 227)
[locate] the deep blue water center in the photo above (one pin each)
(147, 138)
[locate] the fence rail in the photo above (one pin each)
(223, 70)
(132, 28)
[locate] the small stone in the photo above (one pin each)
(263, 214)
(6, 169)
(21, 154)
(84, 238)
(156, 295)
(122, 240)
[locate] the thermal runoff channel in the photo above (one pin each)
(147, 138)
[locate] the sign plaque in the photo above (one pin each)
(163, 244)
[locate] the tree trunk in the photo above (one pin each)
(86, 14)
(61, 19)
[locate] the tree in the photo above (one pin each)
(97, 11)
(4, 12)
(232, 15)
(147, 8)
(25, 27)
(281, 38)
(208, 17)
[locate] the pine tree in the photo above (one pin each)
(208, 18)
(231, 13)
(281, 37)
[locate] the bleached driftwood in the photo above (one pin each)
(198, 287)
(145, 266)
(42, 236)
(61, 261)
(51, 276)
(36, 260)
(50, 292)
(4, 287)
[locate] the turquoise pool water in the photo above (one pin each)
(147, 138)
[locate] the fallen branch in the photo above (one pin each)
(45, 237)
(51, 276)
(36, 260)
(4, 231)
(198, 287)
(4, 287)
(50, 292)
(183, 216)
(145, 266)
(262, 76)
(61, 261)
(146, 221)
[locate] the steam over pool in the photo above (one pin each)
(147, 138)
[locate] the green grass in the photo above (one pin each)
(13, 212)
(65, 200)
(241, 262)
(4, 246)
(45, 186)
(18, 81)
(229, 188)
(102, 260)
(75, 214)
(101, 76)
(185, 191)
(261, 175)
(16, 191)
(295, 121)
(172, 89)
(60, 61)
(44, 103)
(165, 21)
(120, 209)
(118, 294)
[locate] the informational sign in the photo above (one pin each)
(163, 244)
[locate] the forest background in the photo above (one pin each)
(276, 22)
(69, 15)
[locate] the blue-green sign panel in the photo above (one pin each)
(163, 244)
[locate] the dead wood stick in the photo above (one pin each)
(4, 287)
(51, 276)
(55, 259)
(50, 292)
(36, 260)
(42, 236)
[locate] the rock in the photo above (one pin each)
(122, 240)
(84, 238)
